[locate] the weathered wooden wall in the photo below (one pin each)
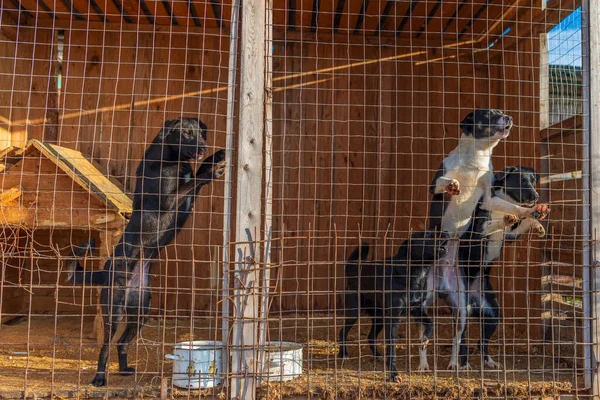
(359, 131)
(357, 142)
(119, 87)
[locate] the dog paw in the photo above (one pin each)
(219, 171)
(453, 188)
(539, 230)
(510, 219)
(423, 367)
(466, 367)
(99, 380)
(127, 371)
(394, 377)
(491, 364)
(540, 212)
(452, 366)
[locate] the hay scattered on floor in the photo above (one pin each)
(60, 359)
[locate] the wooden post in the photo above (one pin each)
(248, 200)
(591, 170)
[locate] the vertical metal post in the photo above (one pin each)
(268, 217)
(591, 173)
(231, 84)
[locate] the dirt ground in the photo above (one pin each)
(56, 356)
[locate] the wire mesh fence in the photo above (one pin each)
(363, 100)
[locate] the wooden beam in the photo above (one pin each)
(8, 25)
(430, 16)
(563, 127)
(9, 195)
(361, 17)
(406, 18)
(339, 10)
(591, 190)
(249, 199)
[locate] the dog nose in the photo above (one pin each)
(508, 119)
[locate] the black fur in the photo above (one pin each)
(517, 183)
(162, 203)
(381, 289)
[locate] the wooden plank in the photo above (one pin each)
(487, 17)
(435, 28)
(249, 199)
(326, 16)
(352, 11)
(565, 127)
(181, 13)
(433, 11)
(457, 11)
(467, 15)
(134, 11)
(373, 15)
(112, 13)
(214, 14)
(304, 14)
(157, 8)
(280, 16)
(418, 17)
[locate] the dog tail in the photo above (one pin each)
(77, 274)
(359, 254)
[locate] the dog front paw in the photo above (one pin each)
(510, 219)
(453, 188)
(539, 229)
(219, 171)
(540, 212)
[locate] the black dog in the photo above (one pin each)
(381, 289)
(162, 203)
(482, 245)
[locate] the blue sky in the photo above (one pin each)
(564, 41)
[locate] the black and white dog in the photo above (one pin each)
(381, 290)
(479, 246)
(466, 175)
(164, 195)
(463, 181)
(482, 244)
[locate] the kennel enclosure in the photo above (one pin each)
(335, 115)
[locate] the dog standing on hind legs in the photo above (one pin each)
(164, 195)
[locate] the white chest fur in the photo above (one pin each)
(470, 168)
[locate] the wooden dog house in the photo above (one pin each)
(53, 197)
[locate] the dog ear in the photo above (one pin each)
(500, 177)
(203, 128)
(468, 123)
(171, 125)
